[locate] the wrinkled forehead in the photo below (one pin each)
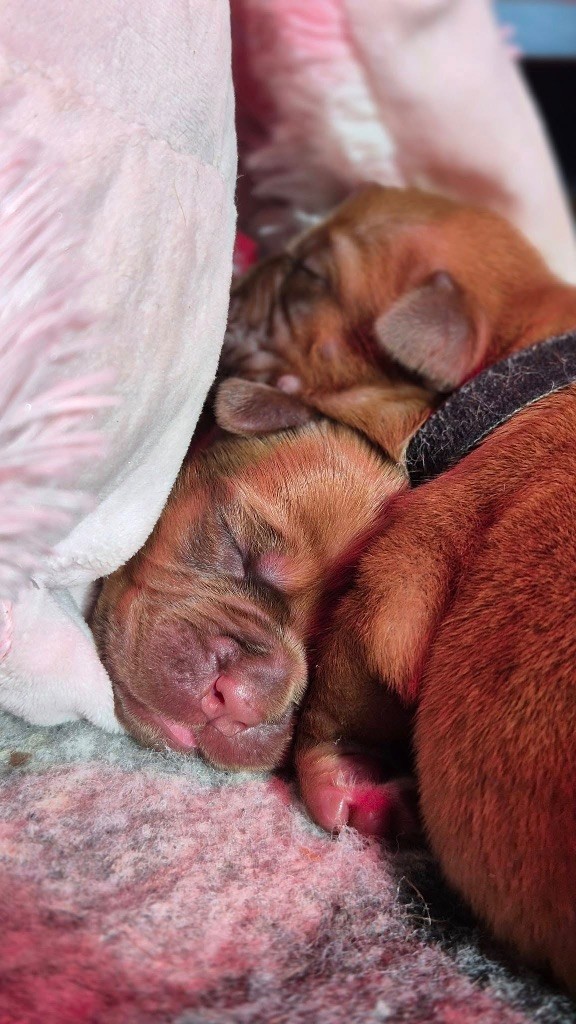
(232, 487)
(378, 214)
(374, 208)
(380, 206)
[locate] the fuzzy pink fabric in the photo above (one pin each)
(137, 888)
(134, 103)
(403, 92)
(48, 430)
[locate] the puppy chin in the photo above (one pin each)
(260, 747)
(257, 748)
(152, 729)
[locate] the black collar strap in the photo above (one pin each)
(486, 401)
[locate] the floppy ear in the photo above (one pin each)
(245, 407)
(431, 331)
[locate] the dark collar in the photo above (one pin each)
(491, 398)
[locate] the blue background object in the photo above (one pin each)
(544, 28)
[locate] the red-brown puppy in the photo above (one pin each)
(338, 320)
(306, 319)
(466, 606)
(204, 631)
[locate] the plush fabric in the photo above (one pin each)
(135, 102)
(138, 888)
(403, 92)
(47, 428)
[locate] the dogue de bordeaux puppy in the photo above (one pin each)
(205, 631)
(465, 606)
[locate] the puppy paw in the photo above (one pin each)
(341, 789)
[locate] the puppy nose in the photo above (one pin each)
(228, 705)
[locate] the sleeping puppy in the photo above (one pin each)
(337, 321)
(446, 611)
(465, 606)
(204, 632)
(315, 321)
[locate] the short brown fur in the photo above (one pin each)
(204, 631)
(465, 607)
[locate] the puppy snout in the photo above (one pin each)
(229, 696)
(227, 704)
(249, 690)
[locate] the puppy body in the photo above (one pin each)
(465, 606)
(204, 631)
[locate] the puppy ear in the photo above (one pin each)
(431, 331)
(245, 407)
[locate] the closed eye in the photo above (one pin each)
(299, 265)
(254, 648)
(234, 560)
(258, 561)
(301, 287)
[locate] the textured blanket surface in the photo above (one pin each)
(139, 887)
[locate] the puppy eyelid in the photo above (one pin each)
(250, 559)
(252, 647)
(242, 556)
(301, 264)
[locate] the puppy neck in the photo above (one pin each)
(554, 313)
(541, 311)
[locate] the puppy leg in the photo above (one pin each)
(352, 746)
(367, 676)
(406, 580)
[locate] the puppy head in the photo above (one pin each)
(398, 296)
(203, 632)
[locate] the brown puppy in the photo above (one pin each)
(337, 322)
(309, 321)
(466, 606)
(204, 631)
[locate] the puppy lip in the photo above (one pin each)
(228, 726)
(178, 736)
(182, 736)
(255, 748)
